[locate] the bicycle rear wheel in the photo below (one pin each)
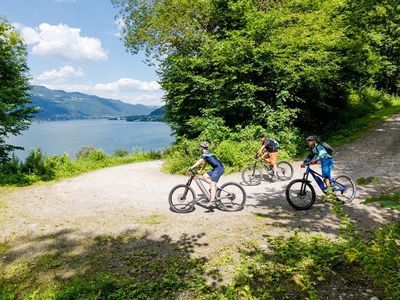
(300, 194)
(284, 170)
(252, 175)
(344, 188)
(182, 199)
(231, 197)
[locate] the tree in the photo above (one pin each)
(272, 63)
(15, 115)
(374, 28)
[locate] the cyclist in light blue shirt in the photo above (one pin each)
(322, 155)
(212, 176)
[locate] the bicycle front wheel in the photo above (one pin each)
(344, 188)
(300, 194)
(231, 197)
(284, 170)
(251, 175)
(182, 199)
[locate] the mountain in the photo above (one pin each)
(156, 115)
(61, 105)
(158, 112)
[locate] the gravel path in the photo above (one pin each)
(134, 197)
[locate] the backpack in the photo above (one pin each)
(276, 143)
(327, 147)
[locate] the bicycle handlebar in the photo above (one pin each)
(193, 172)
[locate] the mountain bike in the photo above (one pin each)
(301, 194)
(230, 196)
(253, 174)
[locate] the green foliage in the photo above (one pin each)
(367, 101)
(85, 151)
(120, 153)
(356, 127)
(38, 167)
(15, 114)
(365, 181)
(293, 65)
(387, 201)
(235, 148)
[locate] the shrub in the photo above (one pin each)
(85, 151)
(96, 155)
(367, 101)
(120, 153)
(35, 165)
(235, 148)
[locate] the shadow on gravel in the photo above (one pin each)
(319, 218)
(132, 265)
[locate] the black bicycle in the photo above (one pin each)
(230, 196)
(253, 174)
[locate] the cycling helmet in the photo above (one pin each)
(312, 138)
(204, 145)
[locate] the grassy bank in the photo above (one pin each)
(364, 116)
(39, 168)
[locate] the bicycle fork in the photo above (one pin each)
(188, 183)
(303, 184)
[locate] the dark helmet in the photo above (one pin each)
(261, 136)
(204, 145)
(312, 138)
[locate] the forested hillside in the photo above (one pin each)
(286, 67)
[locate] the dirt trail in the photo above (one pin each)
(134, 197)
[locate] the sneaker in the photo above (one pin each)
(210, 204)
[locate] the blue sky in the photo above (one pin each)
(75, 45)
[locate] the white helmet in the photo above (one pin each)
(204, 145)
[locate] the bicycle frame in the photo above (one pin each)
(198, 180)
(337, 187)
(258, 161)
(317, 177)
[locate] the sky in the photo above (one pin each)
(76, 46)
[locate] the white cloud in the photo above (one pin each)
(64, 42)
(126, 84)
(125, 89)
(60, 75)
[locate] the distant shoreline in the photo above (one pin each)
(139, 119)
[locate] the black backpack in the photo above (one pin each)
(327, 147)
(275, 143)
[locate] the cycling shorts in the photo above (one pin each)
(216, 173)
(326, 167)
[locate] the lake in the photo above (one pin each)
(58, 137)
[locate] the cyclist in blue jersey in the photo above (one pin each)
(322, 155)
(212, 176)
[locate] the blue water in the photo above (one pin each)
(58, 137)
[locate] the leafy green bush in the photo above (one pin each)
(96, 155)
(120, 153)
(234, 147)
(388, 201)
(367, 101)
(85, 151)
